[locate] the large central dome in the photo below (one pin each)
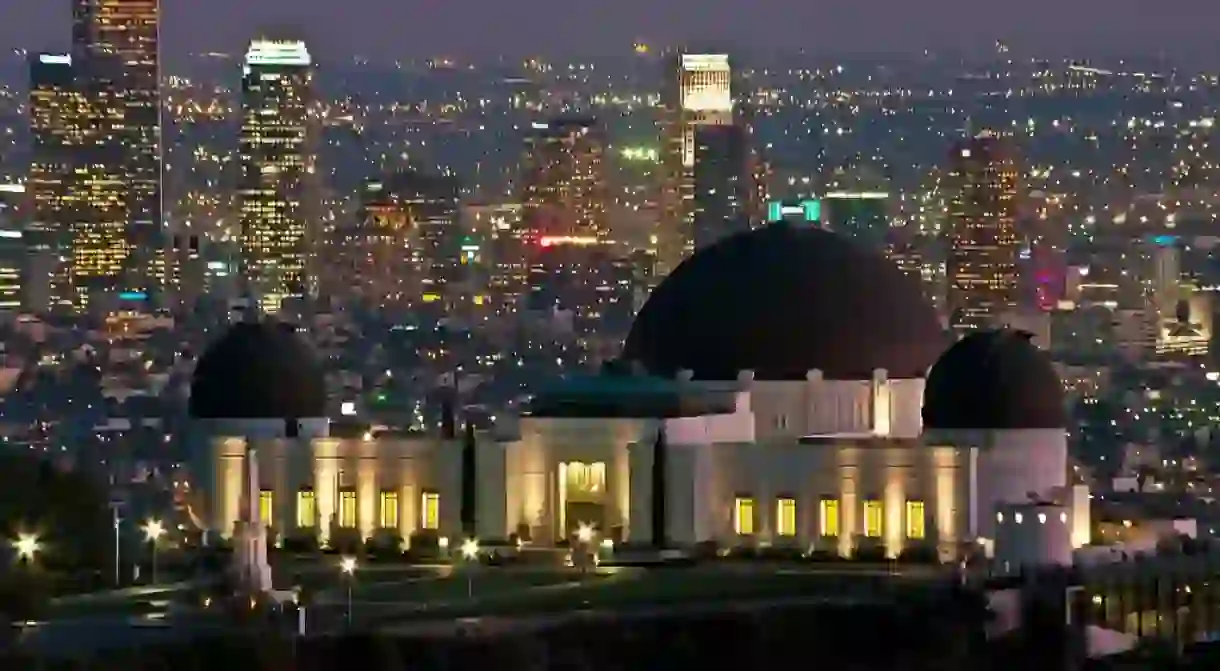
(781, 301)
(258, 370)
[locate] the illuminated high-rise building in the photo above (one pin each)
(404, 246)
(983, 245)
(79, 229)
(723, 183)
(58, 116)
(860, 215)
(117, 46)
(697, 92)
(564, 192)
(277, 164)
(186, 269)
(13, 252)
(564, 199)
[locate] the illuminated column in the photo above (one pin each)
(881, 409)
(408, 511)
(366, 496)
(534, 485)
(620, 485)
(230, 486)
(252, 492)
(945, 473)
(283, 496)
(326, 472)
(849, 465)
(561, 496)
(408, 500)
(895, 505)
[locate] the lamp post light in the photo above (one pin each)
(153, 530)
(347, 566)
(27, 546)
(584, 536)
(470, 552)
(115, 506)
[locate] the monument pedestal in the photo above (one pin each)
(250, 558)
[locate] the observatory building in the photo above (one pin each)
(804, 392)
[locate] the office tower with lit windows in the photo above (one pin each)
(723, 183)
(983, 246)
(117, 46)
(591, 288)
(13, 251)
(277, 162)
(564, 191)
(79, 228)
(186, 268)
(101, 260)
(860, 215)
(403, 248)
(697, 92)
(564, 200)
(58, 117)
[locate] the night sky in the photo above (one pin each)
(403, 28)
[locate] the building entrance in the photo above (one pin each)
(582, 496)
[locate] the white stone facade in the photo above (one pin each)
(817, 464)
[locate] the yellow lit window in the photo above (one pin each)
(430, 511)
(307, 509)
(873, 518)
(389, 510)
(828, 517)
(916, 525)
(785, 516)
(347, 509)
(266, 506)
(743, 516)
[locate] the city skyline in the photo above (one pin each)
(412, 29)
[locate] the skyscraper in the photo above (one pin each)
(277, 162)
(13, 252)
(563, 180)
(101, 228)
(697, 92)
(983, 245)
(722, 182)
(860, 215)
(58, 117)
(404, 246)
(116, 44)
(564, 199)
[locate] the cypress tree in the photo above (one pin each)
(660, 459)
(469, 482)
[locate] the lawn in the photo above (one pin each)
(644, 589)
(483, 583)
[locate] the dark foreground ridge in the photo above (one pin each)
(940, 634)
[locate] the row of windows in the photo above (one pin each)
(745, 517)
(307, 509)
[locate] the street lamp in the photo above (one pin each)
(153, 530)
(470, 552)
(27, 545)
(470, 549)
(347, 566)
(584, 535)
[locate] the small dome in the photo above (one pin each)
(783, 300)
(996, 379)
(258, 370)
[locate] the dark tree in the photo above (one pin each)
(470, 484)
(66, 509)
(448, 418)
(660, 461)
